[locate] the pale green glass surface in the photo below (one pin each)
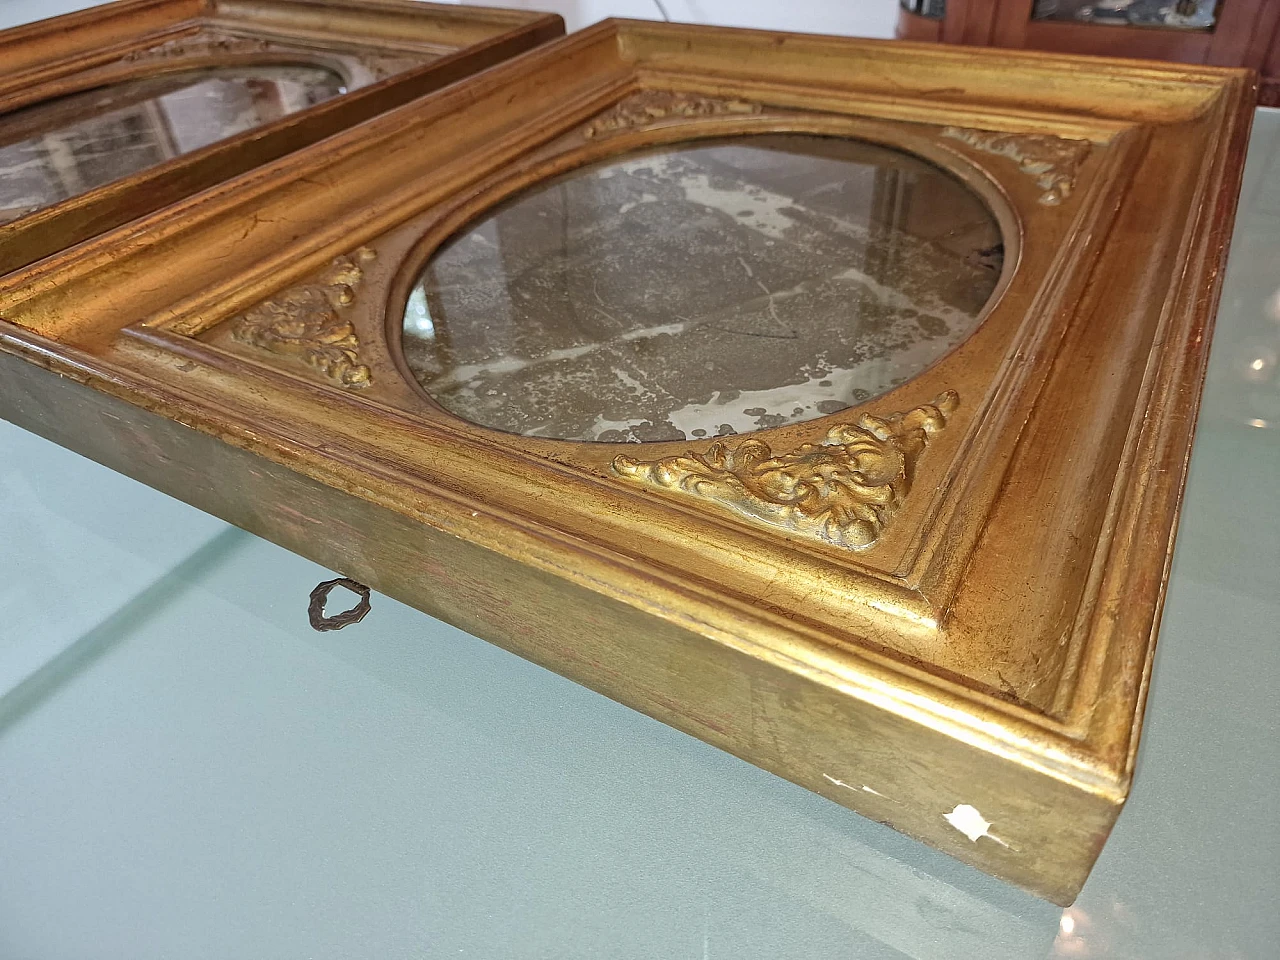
(188, 770)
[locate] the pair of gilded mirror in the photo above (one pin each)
(827, 399)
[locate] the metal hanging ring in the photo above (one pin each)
(315, 609)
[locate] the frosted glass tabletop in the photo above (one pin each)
(189, 770)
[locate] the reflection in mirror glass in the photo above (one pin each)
(61, 148)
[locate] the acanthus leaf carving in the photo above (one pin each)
(649, 106)
(361, 66)
(202, 45)
(308, 321)
(1054, 162)
(842, 490)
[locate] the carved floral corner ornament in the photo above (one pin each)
(650, 106)
(1054, 162)
(307, 321)
(842, 490)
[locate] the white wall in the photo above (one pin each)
(14, 12)
(861, 18)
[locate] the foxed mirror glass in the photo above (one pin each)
(68, 145)
(702, 289)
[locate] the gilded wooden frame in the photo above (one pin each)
(387, 52)
(965, 659)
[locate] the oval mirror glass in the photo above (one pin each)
(702, 289)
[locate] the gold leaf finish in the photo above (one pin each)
(842, 490)
(307, 321)
(1053, 161)
(650, 106)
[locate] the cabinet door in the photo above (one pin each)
(1227, 32)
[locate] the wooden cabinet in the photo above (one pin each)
(1243, 33)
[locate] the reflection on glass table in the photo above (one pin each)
(703, 289)
(1248, 371)
(67, 146)
(189, 770)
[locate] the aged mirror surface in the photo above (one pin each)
(67, 146)
(702, 289)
